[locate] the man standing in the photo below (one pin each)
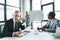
(27, 19)
(12, 26)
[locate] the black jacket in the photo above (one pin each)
(9, 28)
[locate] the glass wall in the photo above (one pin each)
(46, 10)
(36, 5)
(7, 7)
(1, 10)
(10, 11)
(46, 1)
(2, 1)
(57, 5)
(12, 6)
(13, 2)
(57, 9)
(1, 13)
(58, 15)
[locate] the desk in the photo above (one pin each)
(33, 35)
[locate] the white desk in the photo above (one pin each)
(33, 35)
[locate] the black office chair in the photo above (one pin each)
(1, 29)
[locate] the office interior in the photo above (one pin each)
(7, 8)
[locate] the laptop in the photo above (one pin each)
(57, 34)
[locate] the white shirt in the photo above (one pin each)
(14, 23)
(13, 26)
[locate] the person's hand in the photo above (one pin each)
(19, 20)
(16, 34)
(43, 29)
(38, 28)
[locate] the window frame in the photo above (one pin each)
(5, 9)
(47, 5)
(52, 3)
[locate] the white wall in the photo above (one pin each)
(25, 6)
(22, 8)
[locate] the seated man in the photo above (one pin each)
(51, 24)
(12, 26)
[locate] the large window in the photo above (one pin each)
(36, 5)
(46, 1)
(57, 9)
(46, 10)
(57, 5)
(7, 7)
(10, 11)
(2, 1)
(13, 2)
(12, 5)
(1, 13)
(57, 15)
